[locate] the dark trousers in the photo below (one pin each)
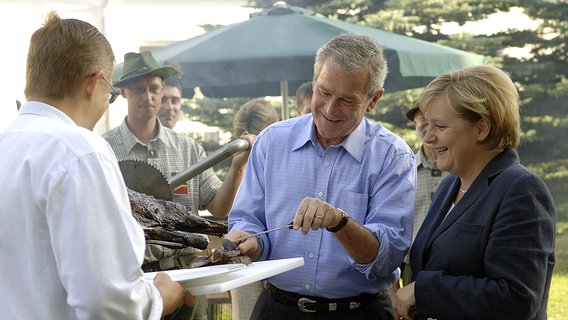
(271, 306)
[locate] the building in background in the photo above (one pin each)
(202, 132)
(128, 24)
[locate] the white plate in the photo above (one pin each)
(188, 276)
(252, 272)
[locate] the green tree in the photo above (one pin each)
(352, 11)
(543, 85)
(540, 76)
(218, 113)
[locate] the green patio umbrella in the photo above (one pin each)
(273, 52)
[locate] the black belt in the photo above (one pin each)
(313, 304)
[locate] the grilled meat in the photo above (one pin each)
(220, 256)
(171, 221)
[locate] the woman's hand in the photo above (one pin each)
(240, 159)
(403, 302)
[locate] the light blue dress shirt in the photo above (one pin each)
(370, 175)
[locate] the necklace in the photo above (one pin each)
(462, 190)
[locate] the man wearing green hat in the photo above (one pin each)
(141, 136)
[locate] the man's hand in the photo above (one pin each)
(249, 247)
(316, 214)
(173, 294)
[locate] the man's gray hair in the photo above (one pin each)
(353, 52)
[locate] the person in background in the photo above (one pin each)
(252, 117)
(428, 178)
(170, 109)
(486, 247)
(304, 98)
(141, 136)
(70, 244)
(346, 183)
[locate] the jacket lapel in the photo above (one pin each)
(443, 222)
(474, 193)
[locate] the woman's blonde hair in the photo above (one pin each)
(478, 92)
(254, 116)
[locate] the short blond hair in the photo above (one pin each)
(477, 92)
(62, 54)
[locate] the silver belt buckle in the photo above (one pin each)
(302, 307)
(354, 305)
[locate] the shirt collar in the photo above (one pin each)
(353, 143)
(130, 140)
(305, 128)
(421, 159)
(45, 110)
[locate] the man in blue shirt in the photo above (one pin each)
(348, 185)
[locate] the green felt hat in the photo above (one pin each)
(137, 65)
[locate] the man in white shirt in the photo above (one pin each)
(70, 246)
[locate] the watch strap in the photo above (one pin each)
(341, 224)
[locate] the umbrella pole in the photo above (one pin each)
(284, 93)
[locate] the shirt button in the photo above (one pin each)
(327, 163)
(311, 255)
(308, 287)
(320, 194)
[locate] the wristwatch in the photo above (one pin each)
(341, 224)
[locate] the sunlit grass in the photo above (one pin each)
(558, 301)
(557, 305)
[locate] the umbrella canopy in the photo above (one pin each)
(273, 52)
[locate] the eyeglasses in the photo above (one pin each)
(113, 93)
